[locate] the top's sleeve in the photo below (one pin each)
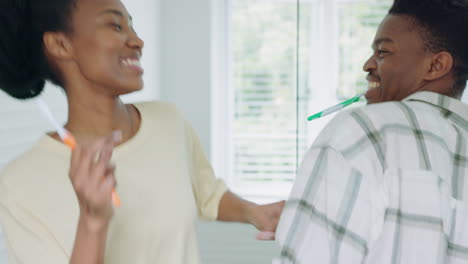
(28, 241)
(207, 188)
(329, 215)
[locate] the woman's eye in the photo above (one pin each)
(381, 52)
(117, 27)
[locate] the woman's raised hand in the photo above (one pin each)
(92, 177)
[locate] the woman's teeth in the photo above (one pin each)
(373, 85)
(131, 62)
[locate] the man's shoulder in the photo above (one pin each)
(371, 120)
(387, 113)
(372, 114)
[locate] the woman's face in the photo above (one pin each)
(106, 49)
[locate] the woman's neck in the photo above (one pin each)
(93, 117)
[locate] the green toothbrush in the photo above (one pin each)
(336, 108)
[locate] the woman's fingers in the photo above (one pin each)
(81, 169)
(93, 175)
(265, 235)
(108, 184)
(101, 164)
(88, 154)
(75, 157)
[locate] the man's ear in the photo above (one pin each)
(441, 65)
(57, 45)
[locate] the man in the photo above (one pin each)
(386, 183)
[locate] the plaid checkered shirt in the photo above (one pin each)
(383, 183)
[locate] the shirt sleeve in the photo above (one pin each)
(27, 240)
(207, 188)
(329, 216)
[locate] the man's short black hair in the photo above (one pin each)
(443, 25)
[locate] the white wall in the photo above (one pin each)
(185, 56)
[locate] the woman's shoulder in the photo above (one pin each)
(159, 109)
(25, 168)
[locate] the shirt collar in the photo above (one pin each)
(450, 104)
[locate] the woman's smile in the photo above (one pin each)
(132, 64)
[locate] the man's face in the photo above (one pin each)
(399, 62)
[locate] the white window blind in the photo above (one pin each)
(284, 60)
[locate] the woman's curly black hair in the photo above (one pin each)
(443, 25)
(24, 67)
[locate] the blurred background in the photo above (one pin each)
(246, 73)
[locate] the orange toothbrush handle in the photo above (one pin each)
(116, 199)
(70, 141)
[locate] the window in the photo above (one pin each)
(283, 60)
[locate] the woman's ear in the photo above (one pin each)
(441, 65)
(57, 45)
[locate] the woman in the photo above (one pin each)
(89, 48)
